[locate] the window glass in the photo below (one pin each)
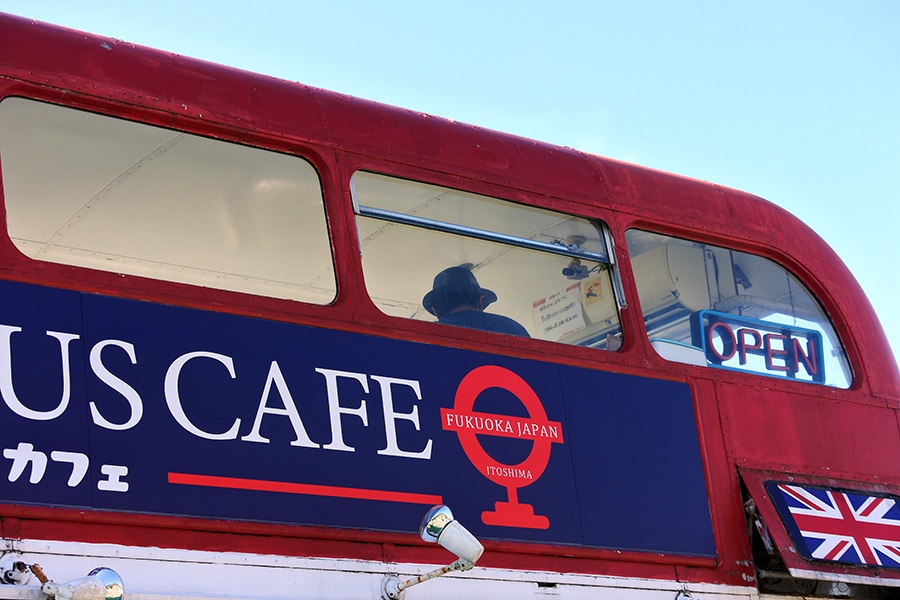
(424, 248)
(709, 305)
(94, 191)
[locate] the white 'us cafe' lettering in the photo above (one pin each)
(174, 401)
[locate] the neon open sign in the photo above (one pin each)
(744, 344)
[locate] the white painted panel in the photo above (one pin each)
(170, 574)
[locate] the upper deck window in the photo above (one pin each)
(709, 305)
(100, 192)
(434, 253)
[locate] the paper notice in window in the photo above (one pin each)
(559, 314)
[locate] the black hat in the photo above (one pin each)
(455, 281)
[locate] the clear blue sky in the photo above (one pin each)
(797, 101)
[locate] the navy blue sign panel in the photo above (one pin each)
(112, 404)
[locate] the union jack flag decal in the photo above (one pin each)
(842, 526)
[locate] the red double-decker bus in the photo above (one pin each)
(261, 340)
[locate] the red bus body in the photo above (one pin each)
(751, 429)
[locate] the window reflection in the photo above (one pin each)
(549, 272)
(104, 193)
(709, 305)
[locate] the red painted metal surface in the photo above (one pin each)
(744, 421)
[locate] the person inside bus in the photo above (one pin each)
(457, 299)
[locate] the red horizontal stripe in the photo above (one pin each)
(307, 489)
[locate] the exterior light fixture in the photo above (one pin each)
(439, 526)
(100, 584)
(13, 570)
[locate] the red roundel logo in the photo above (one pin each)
(469, 424)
